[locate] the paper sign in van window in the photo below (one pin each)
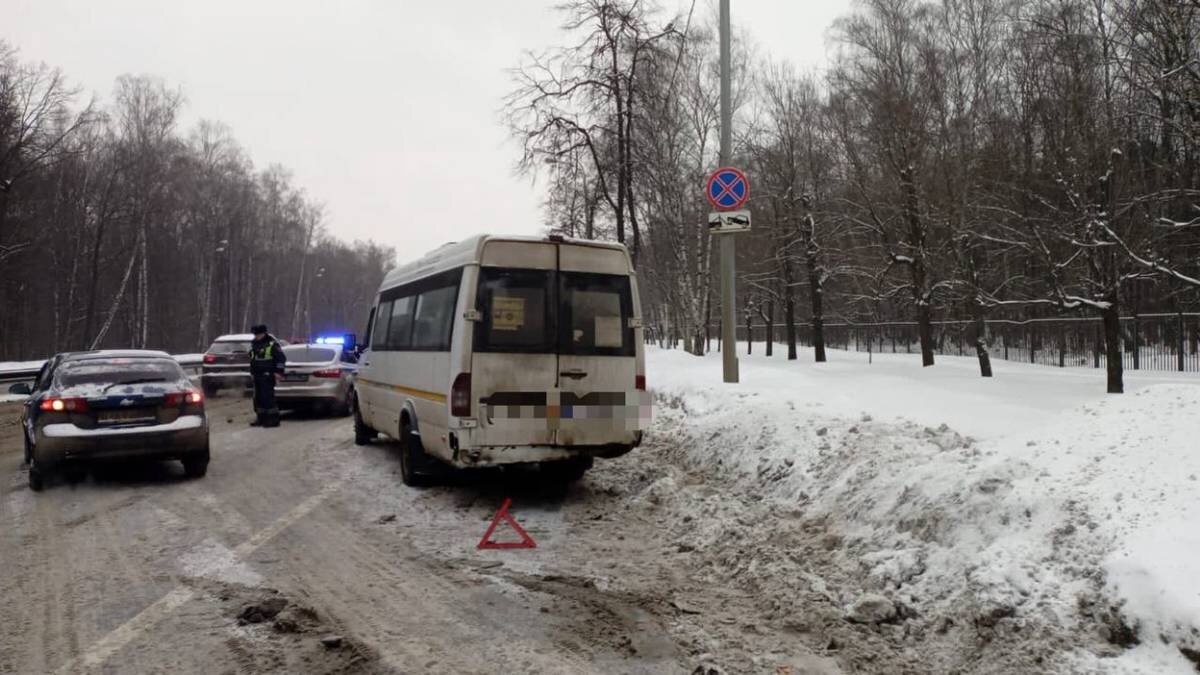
(508, 313)
(608, 331)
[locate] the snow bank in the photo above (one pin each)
(1032, 500)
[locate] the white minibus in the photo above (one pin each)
(504, 350)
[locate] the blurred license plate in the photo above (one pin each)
(112, 416)
(295, 377)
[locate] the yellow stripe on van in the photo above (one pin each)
(419, 393)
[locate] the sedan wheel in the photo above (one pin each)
(196, 465)
(36, 479)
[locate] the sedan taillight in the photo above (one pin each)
(64, 405)
(331, 372)
(209, 358)
(180, 399)
(460, 396)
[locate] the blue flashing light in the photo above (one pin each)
(332, 340)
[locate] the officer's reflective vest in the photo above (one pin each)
(267, 353)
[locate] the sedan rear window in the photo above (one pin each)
(116, 371)
(229, 348)
(303, 354)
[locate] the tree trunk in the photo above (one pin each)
(925, 333)
(1112, 348)
(920, 275)
(818, 318)
(789, 319)
(749, 334)
(812, 260)
(981, 345)
(770, 327)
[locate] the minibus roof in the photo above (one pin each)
(459, 253)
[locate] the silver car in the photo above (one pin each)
(318, 377)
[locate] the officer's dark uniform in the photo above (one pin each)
(266, 360)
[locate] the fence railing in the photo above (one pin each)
(1159, 342)
(190, 362)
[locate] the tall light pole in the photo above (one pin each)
(729, 358)
(223, 247)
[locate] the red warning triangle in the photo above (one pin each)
(502, 514)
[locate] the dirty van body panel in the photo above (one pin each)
(513, 365)
(554, 356)
(597, 359)
(405, 373)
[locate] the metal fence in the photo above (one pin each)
(1162, 342)
(191, 364)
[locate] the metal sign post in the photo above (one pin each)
(728, 250)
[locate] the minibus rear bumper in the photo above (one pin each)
(501, 455)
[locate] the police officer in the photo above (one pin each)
(266, 364)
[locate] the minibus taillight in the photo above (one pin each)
(460, 396)
(639, 383)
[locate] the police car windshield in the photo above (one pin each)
(229, 348)
(116, 371)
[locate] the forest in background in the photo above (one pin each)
(120, 229)
(958, 159)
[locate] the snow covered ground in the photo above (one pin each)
(1031, 511)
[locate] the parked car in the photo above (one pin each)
(227, 364)
(318, 376)
(112, 404)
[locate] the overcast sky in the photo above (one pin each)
(387, 111)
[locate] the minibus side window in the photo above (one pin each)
(517, 311)
(379, 341)
(370, 327)
(400, 332)
(434, 317)
(594, 315)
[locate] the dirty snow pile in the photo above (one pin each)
(1030, 512)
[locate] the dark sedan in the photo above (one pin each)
(111, 405)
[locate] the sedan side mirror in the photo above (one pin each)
(20, 389)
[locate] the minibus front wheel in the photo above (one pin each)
(363, 434)
(414, 463)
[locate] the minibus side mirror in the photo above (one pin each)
(20, 389)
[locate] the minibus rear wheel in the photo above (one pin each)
(567, 470)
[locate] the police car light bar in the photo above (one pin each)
(332, 340)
